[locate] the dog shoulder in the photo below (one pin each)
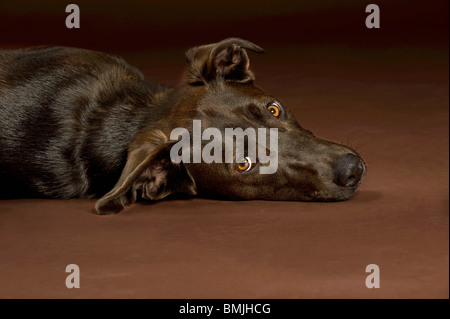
(22, 65)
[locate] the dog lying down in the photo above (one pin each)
(82, 124)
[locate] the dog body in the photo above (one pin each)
(81, 124)
(67, 119)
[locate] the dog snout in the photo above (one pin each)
(349, 170)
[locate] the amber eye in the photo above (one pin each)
(244, 165)
(274, 109)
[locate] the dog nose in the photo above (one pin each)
(349, 169)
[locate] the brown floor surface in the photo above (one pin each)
(391, 105)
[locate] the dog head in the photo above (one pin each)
(224, 137)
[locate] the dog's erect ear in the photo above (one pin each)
(148, 172)
(226, 60)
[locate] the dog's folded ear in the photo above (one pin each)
(226, 60)
(149, 173)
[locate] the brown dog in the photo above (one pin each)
(83, 124)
